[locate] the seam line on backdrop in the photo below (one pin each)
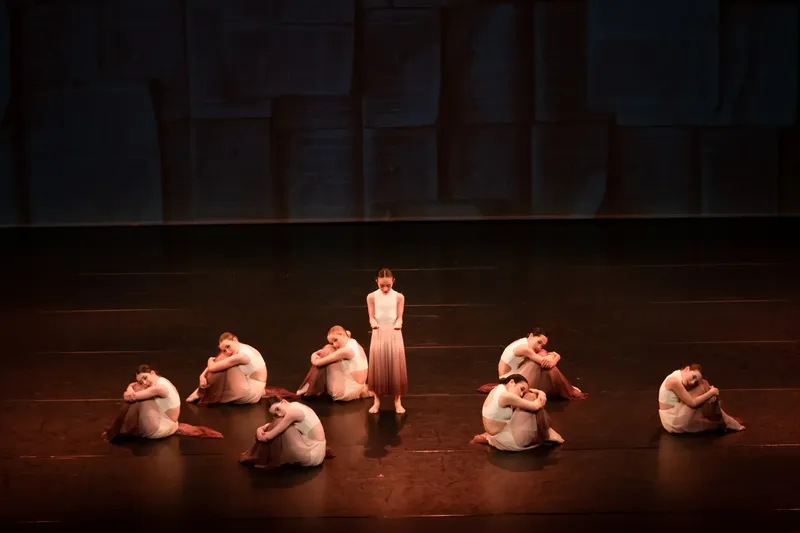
(679, 265)
(207, 273)
(174, 309)
(719, 301)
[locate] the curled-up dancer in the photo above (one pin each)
(294, 437)
(528, 357)
(387, 353)
(514, 418)
(688, 404)
(339, 369)
(237, 375)
(151, 411)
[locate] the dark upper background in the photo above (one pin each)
(127, 111)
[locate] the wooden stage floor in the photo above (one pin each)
(624, 302)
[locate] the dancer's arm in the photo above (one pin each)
(220, 357)
(156, 391)
(401, 305)
(512, 400)
(551, 359)
(229, 362)
(675, 385)
(322, 352)
(268, 432)
(338, 355)
(371, 310)
(525, 351)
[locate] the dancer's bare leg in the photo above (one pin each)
(480, 439)
(553, 436)
(376, 404)
(398, 406)
(731, 423)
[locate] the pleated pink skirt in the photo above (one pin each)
(387, 362)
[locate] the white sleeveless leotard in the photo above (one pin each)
(359, 360)
(172, 401)
(385, 307)
(310, 419)
(665, 395)
(256, 361)
(492, 409)
(512, 360)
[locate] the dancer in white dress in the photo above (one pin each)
(237, 375)
(339, 369)
(294, 437)
(528, 357)
(514, 418)
(151, 411)
(688, 404)
(387, 353)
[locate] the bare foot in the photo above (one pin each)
(376, 406)
(193, 397)
(302, 390)
(399, 409)
(553, 436)
(479, 439)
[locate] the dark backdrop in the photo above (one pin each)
(151, 111)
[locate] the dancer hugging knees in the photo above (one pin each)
(237, 375)
(151, 411)
(294, 437)
(387, 352)
(339, 369)
(514, 418)
(528, 357)
(688, 404)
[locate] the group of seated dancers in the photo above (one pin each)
(513, 414)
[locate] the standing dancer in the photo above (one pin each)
(514, 418)
(339, 369)
(528, 357)
(237, 375)
(152, 411)
(387, 353)
(688, 404)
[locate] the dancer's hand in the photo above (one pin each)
(261, 434)
(314, 357)
(211, 361)
(714, 391)
(546, 363)
(373, 324)
(203, 382)
(398, 324)
(129, 396)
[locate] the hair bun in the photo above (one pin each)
(347, 331)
